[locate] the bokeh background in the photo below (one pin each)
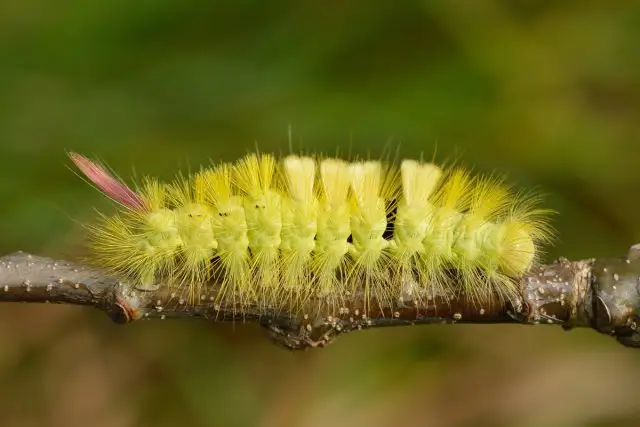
(547, 92)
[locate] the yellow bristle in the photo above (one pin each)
(154, 194)
(230, 228)
(487, 201)
(489, 198)
(415, 210)
(299, 223)
(437, 257)
(254, 176)
(333, 229)
(120, 244)
(516, 249)
(451, 199)
(140, 244)
(369, 249)
(419, 181)
(526, 228)
(193, 219)
(334, 174)
(366, 180)
(456, 191)
(300, 173)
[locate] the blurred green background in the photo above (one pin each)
(547, 92)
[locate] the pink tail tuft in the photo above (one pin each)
(116, 190)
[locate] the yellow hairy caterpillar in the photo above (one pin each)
(281, 232)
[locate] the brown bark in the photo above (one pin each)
(600, 294)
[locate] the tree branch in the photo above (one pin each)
(600, 294)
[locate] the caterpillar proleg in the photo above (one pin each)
(283, 232)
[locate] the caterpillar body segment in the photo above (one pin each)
(299, 224)
(372, 202)
(413, 220)
(283, 233)
(229, 226)
(330, 256)
(255, 179)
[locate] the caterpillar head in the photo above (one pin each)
(517, 249)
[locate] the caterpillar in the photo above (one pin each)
(281, 233)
